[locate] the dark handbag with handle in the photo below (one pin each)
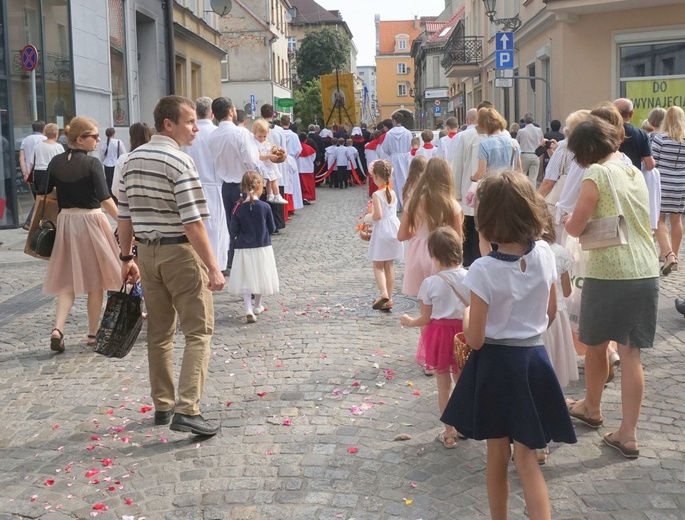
(121, 323)
(43, 239)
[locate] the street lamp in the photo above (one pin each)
(491, 12)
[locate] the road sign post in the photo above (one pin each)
(29, 62)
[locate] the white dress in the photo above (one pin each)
(557, 338)
(384, 244)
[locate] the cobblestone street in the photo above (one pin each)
(311, 398)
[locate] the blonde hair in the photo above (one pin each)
(574, 118)
(251, 181)
(80, 127)
(415, 141)
(260, 125)
(416, 169)
(489, 121)
(383, 169)
(674, 124)
(433, 197)
(51, 130)
(656, 117)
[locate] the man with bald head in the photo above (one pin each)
(464, 165)
(636, 144)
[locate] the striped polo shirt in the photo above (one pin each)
(160, 190)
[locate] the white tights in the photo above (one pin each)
(247, 301)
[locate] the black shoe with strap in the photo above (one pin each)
(163, 417)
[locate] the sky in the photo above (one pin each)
(359, 15)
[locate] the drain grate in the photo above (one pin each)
(361, 305)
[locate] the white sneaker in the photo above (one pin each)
(279, 200)
(269, 198)
(258, 310)
(249, 317)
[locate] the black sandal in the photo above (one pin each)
(91, 340)
(57, 344)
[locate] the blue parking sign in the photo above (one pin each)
(437, 110)
(504, 59)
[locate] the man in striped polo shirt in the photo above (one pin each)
(161, 201)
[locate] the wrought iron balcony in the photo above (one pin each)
(463, 55)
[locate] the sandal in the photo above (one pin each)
(379, 303)
(670, 264)
(443, 439)
(57, 344)
(91, 340)
(616, 444)
(543, 455)
(583, 417)
(387, 306)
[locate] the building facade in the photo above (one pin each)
(308, 16)
(571, 54)
(370, 113)
(109, 60)
(256, 68)
(394, 65)
(431, 89)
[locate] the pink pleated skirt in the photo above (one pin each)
(436, 346)
(85, 257)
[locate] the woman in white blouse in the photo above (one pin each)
(110, 150)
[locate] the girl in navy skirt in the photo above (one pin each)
(508, 391)
(443, 300)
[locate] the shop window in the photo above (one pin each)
(117, 53)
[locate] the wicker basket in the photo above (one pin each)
(280, 153)
(365, 231)
(461, 350)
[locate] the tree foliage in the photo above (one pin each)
(308, 103)
(321, 52)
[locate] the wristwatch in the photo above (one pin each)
(127, 258)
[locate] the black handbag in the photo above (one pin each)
(121, 323)
(43, 238)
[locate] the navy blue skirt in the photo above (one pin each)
(510, 392)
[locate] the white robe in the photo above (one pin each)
(294, 149)
(217, 228)
(396, 145)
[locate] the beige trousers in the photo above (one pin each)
(175, 282)
(530, 163)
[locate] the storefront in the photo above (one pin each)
(45, 24)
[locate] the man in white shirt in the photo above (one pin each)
(530, 137)
(396, 145)
(447, 145)
(294, 149)
(217, 228)
(26, 157)
(464, 165)
(234, 152)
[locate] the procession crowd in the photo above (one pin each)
(498, 231)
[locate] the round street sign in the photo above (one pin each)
(437, 102)
(29, 57)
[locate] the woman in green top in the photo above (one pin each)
(621, 287)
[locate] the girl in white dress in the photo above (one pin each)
(384, 248)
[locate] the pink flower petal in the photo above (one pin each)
(352, 450)
(49, 482)
(129, 501)
(110, 411)
(92, 472)
(94, 437)
(55, 426)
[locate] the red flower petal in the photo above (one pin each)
(49, 482)
(94, 437)
(356, 383)
(90, 448)
(106, 462)
(99, 506)
(229, 403)
(417, 392)
(55, 426)
(352, 450)
(92, 472)
(145, 409)
(261, 394)
(95, 481)
(110, 411)
(111, 488)
(129, 501)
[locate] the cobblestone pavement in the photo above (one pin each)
(311, 400)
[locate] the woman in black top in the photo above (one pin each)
(85, 255)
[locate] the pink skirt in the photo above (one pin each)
(436, 346)
(85, 257)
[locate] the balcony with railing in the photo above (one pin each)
(463, 55)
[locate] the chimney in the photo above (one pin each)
(377, 21)
(416, 22)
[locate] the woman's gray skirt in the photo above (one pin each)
(624, 311)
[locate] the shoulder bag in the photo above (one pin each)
(606, 231)
(42, 234)
(461, 351)
(553, 196)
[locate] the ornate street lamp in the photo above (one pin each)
(491, 12)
